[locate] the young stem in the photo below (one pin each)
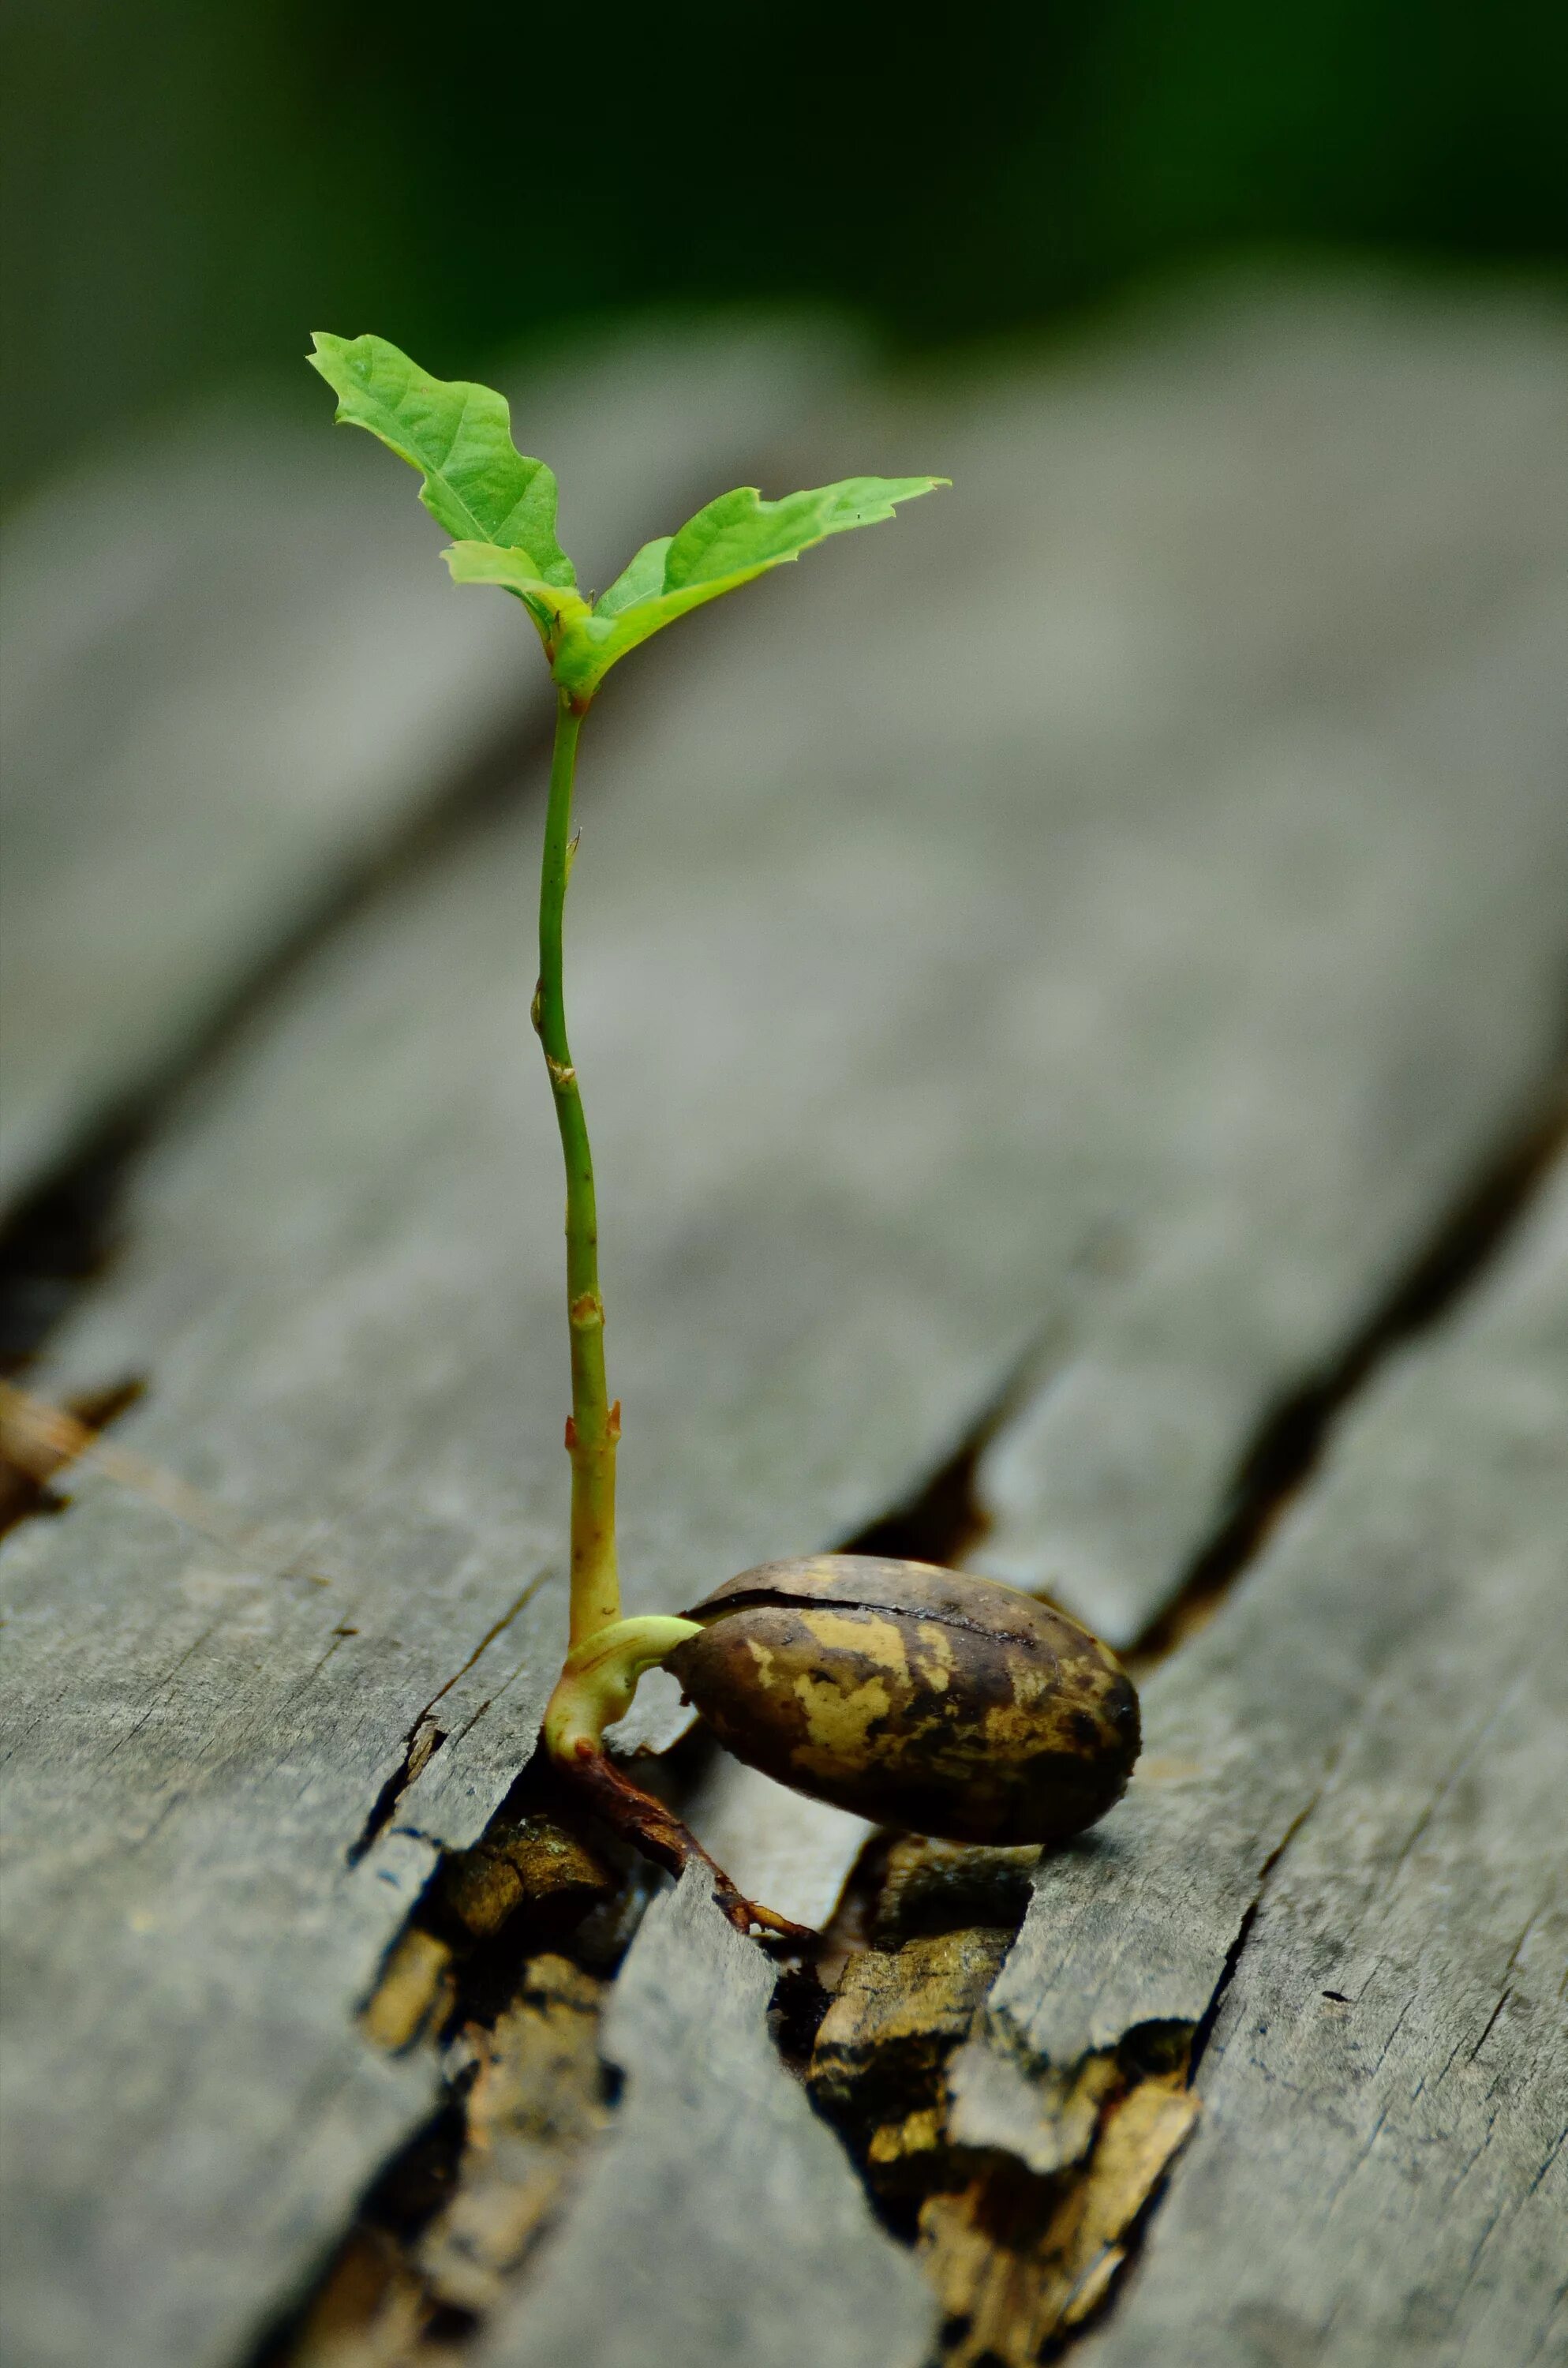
(598, 1679)
(594, 1424)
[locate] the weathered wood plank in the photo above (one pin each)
(235, 672)
(1244, 948)
(1104, 1485)
(1348, 1837)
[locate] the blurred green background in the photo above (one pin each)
(191, 187)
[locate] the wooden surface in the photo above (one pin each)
(1380, 2173)
(1087, 1039)
(1344, 1846)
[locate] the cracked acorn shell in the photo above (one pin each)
(917, 1697)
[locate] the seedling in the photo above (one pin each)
(929, 1698)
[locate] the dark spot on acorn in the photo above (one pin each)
(918, 1697)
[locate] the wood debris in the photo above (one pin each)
(538, 2096)
(516, 2025)
(1019, 2258)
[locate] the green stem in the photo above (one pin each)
(595, 1425)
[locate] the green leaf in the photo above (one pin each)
(741, 534)
(640, 581)
(728, 543)
(552, 606)
(500, 509)
(477, 485)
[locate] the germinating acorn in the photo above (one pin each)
(918, 1697)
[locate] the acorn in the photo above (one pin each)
(920, 1698)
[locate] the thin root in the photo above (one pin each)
(659, 1834)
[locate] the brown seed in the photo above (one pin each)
(919, 1697)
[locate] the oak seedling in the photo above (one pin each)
(994, 1718)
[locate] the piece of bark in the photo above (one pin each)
(1210, 930)
(895, 2016)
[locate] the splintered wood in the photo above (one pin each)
(1051, 1068)
(1015, 2259)
(1016, 2262)
(535, 2102)
(515, 2031)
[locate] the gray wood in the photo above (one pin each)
(235, 671)
(1103, 1483)
(1381, 2173)
(724, 2222)
(776, 1845)
(1133, 995)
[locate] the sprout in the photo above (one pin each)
(921, 1697)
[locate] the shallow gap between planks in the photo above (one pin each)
(1467, 1239)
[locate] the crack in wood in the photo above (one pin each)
(499, 1977)
(1019, 2259)
(1467, 1239)
(1203, 2030)
(942, 1519)
(425, 1739)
